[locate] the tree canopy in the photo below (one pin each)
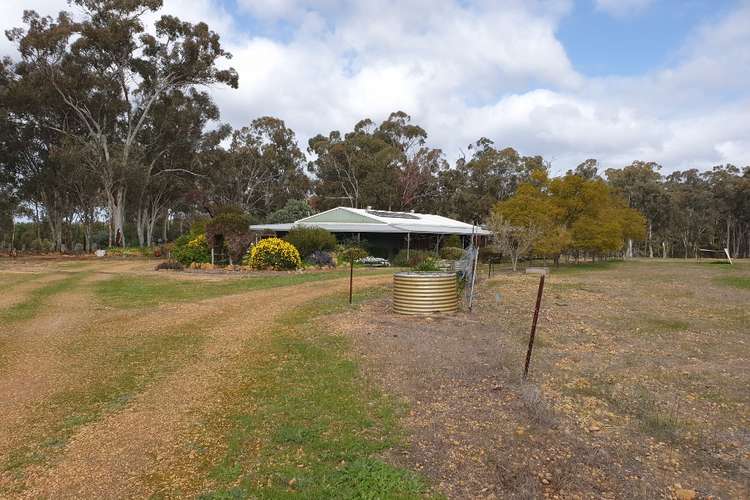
(108, 136)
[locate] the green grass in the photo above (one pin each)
(38, 297)
(573, 268)
(129, 368)
(311, 426)
(10, 280)
(666, 325)
(742, 282)
(127, 292)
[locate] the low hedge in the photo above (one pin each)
(311, 239)
(273, 253)
(451, 253)
(416, 257)
(190, 248)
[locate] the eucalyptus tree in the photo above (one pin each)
(8, 176)
(640, 184)
(388, 166)
(259, 172)
(488, 176)
(417, 165)
(170, 141)
(355, 169)
(729, 188)
(109, 72)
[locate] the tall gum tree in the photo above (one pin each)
(110, 72)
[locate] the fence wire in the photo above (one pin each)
(465, 270)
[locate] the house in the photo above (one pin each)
(384, 233)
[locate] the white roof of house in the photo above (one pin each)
(358, 220)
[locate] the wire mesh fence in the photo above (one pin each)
(465, 268)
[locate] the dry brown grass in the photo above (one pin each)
(638, 383)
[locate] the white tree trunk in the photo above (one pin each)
(650, 246)
(165, 226)
(140, 222)
(117, 211)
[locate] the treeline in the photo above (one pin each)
(577, 215)
(108, 137)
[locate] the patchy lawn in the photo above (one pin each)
(129, 292)
(237, 388)
(638, 385)
(306, 422)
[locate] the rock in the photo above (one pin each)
(685, 494)
(594, 428)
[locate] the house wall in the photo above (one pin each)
(387, 245)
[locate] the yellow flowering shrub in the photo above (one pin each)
(273, 253)
(191, 248)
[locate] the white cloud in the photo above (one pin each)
(11, 13)
(464, 71)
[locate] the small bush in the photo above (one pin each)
(453, 240)
(427, 265)
(273, 253)
(350, 253)
(190, 248)
(311, 239)
(416, 257)
(490, 253)
(170, 264)
(321, 259)
(451, 253)
(232, 227)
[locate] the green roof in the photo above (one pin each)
(340, 215)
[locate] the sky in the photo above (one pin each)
(616, 80)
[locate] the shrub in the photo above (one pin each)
(311, 239)
(273, 253)
(170, 264)
(321, 259)
(427, 265)
(350, 253)
(490, 253)
(453, 240)
(190, 248)
(415, 257)
(232, 227)
(451, 253)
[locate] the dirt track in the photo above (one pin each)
(63, 350)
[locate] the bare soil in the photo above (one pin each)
(638, 385)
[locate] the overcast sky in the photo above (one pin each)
(616, 80)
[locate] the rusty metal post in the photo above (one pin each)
(351, 279)
(533, 327)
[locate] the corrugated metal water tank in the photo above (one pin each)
(425, 293)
